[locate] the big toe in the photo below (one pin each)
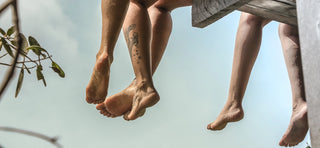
(282, 143)
(214, 126)
(209, 126)
(89, 100)
(100, 106)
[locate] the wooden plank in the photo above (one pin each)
(279, 10)
(205, 12)
(309, 33)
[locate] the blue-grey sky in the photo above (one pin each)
(192, 79)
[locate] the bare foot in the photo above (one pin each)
(118, 104)
(131, 101)
(230, 113)
(97, 88)
(145, 96)
(298, 127)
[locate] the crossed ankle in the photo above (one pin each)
(143, 82)
(145, 86)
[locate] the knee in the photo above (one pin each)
(253, 20)
(288, 30)
(160, 9)
(289, 34)
(143, 3)
(162, 6)
(169, 5)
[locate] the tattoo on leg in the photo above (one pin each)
(132, 41)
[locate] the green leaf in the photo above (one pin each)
(56, 68)
(36, 49)
(33, 41)
(20, 80)
(40, 75)
(11, 30)
(24, 44)
(7, 47)
(2, 31)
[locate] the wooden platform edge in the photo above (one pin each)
(279, 16)
(205, 12)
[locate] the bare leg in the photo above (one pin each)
(161, 22)
(161, 29)
(247, 47)
(113, 12)
(137, 34)
(298, 126)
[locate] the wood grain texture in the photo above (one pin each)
(279, 10)
(309, 33)
(205, 12)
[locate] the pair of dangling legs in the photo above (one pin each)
(247, 47)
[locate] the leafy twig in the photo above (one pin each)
(15, 44)
(10, 73)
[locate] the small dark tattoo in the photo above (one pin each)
(132, 40)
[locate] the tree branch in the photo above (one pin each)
(48, 57)
(30, 60)
(10, 73)
(52, 140)
(5, 5)
(6, 64)
(3, 55)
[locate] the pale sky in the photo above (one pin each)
(192, 79)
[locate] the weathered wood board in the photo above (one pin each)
(309, 33)
(278, 10)
(205, 12)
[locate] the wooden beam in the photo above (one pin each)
(205, 12)
(309, 33)
(279, 10)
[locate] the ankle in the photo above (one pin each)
(144, 82)
(235, 96)
(144, 85)
(297, 106)
(104, 58)
(105, 53)
(234, 102)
